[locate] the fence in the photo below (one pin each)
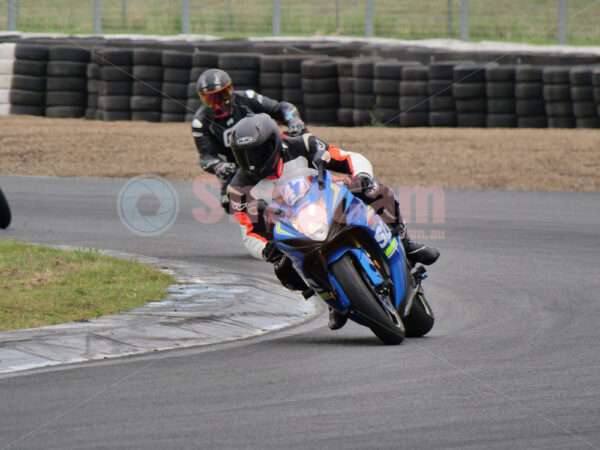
(541, 22)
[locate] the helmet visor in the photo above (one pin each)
(220, 97)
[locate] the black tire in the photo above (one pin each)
(239, 61)
(581, 76)
(561, 122)
(272, 93)
(363, 68)
(556, 75)
(145, 103)
(384, 87)
(205, 59)
(441, 87)
(27, 83)
(330, 100)
(79, 84)
(365, 101)
(500, 73)
(420, 319)
(175, 90)
(557, 93)
(68, 53)
(66, 98)
(478, 105)
(578, 93)
(114, 103)
(172, 58)
(527, 91)
(415, 73)
(293, 63)
(147, 57)
(527, 108)
(559, 109)
(244, 78)
(115, 88)
(319, 68)
(444, 70)
(291, 80)
(175, 75)
(117, 57)
(345, 116)
(31, 68)
(347, 101)
(533, 122)
(346, 85)
(388, 117)
(30, 98)
(363, 86)
(294, 96)
(111, 73)
(470, 73)
(500, 89)
(415, 88)
(5, 215)
(149, 88)
(362, 300)
(468, 91)
(64, 112)
(501, 106)
(148, 73)
(66, 69)
(270, 80)
(31, 52)
(414, 119)
(391, 101)
(323, 116)
(471, 120)
(442, 119)
(172, 117)
(362, 117)
(414, 104)
(583, 110)
(147, 116)
(93, 71)
(175, 106)
(318, 85)
(442, 103)
(588, 122)
(529, 74)
(502, 121)
(271, 64)
(111, 116)
(27, 110)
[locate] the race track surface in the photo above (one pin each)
(512, 362)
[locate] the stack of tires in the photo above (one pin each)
(469, 91)
(116, 82)
(28, 87)
(176, 77)
(557, 97)
(146, 88)
(363, 72)
(345, 68)
(201, 61)
(501, 103)
(529, 95)
(596, 81)
(7, 58)
(93, 87)
(291, 80)
(66, 83)
(582, 93)
(321, 91)
(386, 87)
(442, 106)
(271, 76)
(243, 68)
(414, 96)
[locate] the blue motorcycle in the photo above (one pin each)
(347, 254)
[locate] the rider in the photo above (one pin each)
(263, 155)
(222, 108)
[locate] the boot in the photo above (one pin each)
(415, 252)
(336, 320)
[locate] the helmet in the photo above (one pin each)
(256, 143)
(216, 91)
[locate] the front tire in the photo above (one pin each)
(353, 282)
(5, 216)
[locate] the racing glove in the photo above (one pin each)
(296, 127)
(283, 267)
(225, 170)
(362, 183)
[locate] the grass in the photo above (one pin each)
(533, 21)
(44, 286)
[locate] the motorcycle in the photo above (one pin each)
(5, 216)
(347, 254)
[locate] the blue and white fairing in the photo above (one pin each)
(310, 221)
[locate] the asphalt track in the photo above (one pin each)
(512, 362)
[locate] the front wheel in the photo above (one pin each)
(5, 216)
(353, 281)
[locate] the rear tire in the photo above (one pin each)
(353, 281)
(420, 319)
(5, 215)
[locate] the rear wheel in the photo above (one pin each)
(420, 319)
(354, 283)
(4, 212)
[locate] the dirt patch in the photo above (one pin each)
(515, 159)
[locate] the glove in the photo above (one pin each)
(271, 253)
(287, 275)
(361, 183)
(297, 127)
(225, 170)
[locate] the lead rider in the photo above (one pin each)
(264, 154)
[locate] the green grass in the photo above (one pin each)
(534, 21)
(44, 286)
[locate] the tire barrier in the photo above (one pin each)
(201, 61)
(66, 81)
(414, 96)
(146, 88)
(321, 90)
(152, 83)
(176, 77)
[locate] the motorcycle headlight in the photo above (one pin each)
(312, 221)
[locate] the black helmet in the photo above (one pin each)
(256, 143)
(216, 91)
